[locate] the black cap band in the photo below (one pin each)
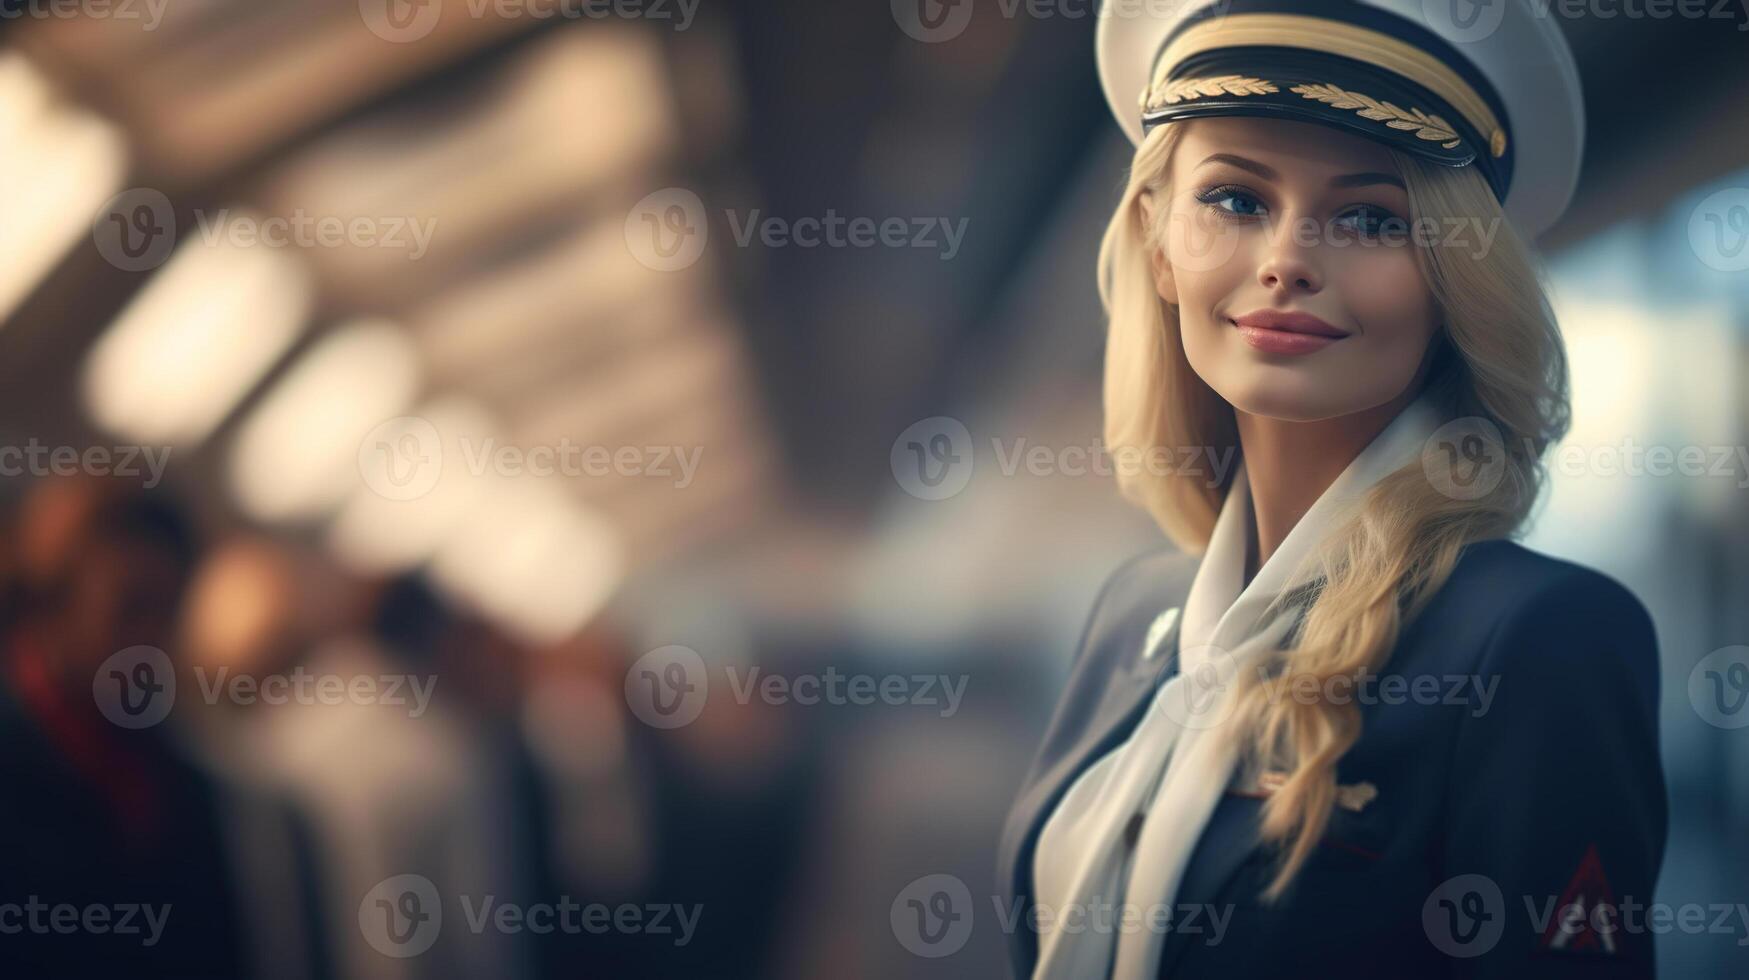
(1339, 63)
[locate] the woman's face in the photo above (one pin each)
(1288, 256)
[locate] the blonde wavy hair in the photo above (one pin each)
(1497, 357)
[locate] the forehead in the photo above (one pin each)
(1295, 149)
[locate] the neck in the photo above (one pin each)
(1289, 465)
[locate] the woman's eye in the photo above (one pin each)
(1366, 221)
(1233, 200)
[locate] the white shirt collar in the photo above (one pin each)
(1221, 610)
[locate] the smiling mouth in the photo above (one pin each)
(1284, 332)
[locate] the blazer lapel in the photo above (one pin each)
(1128, 692)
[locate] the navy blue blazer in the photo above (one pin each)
(1501, 824)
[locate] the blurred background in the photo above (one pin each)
(391, 389)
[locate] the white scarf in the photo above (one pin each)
(1173, 763)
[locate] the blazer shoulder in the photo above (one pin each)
(1139, 590)
(1523, 599)
(1508, 571)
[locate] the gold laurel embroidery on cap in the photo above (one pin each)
(1186, 89)
(1426, 126)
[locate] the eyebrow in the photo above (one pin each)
(1269, 173)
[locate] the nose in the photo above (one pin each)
(1287, 269)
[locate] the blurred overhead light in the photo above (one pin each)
(296, 456)
(418, 485)
(531, 558)
(195, 340)
(60, 165)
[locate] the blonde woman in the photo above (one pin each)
(1348, 727)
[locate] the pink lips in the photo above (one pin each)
(1280, 332)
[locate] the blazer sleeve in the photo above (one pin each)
(1556, 813)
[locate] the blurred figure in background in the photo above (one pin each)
(108, 828)
(369, 743)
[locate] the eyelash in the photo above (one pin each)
(1211, 196)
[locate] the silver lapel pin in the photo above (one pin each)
(1161, 626)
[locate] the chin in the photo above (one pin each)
(1292, 395)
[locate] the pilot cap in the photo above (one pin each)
(1491, 86)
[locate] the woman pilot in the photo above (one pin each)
(1366, 733)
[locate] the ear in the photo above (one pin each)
(1164, 283)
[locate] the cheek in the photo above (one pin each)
(1211, 264)
(1382, 290)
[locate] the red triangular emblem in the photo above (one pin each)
(1576, 925)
